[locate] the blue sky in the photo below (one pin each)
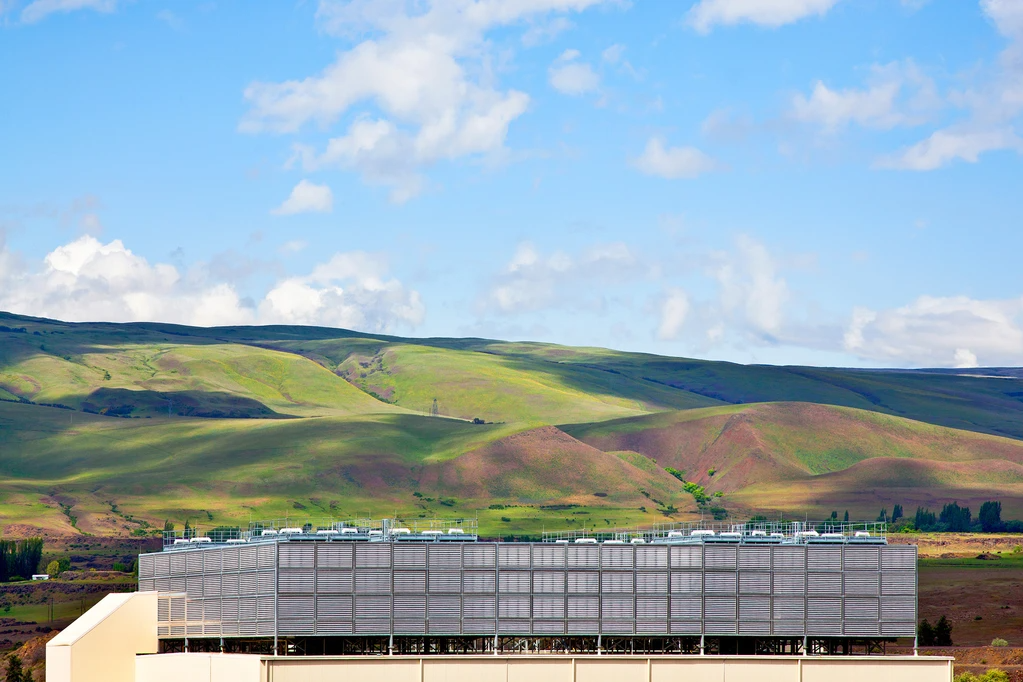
(789, 181)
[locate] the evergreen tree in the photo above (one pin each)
(925, 519)
(15, 673)
(990, 517)
(846, 519)
(956, 519)
(925, 634)
(897, 513)
(883, 516)
(943, 632)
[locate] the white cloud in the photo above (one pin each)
(532, 281)
(613, 54)
(421, 87)
(770, 13)
(307, 197)
(897, 94)
(293, 246)
(40, 9)
(674, 311)
(752, 293)
(88, 280)
(673, 162)
(941, 332)
(571, 77)
(951, 144)
(545, 31)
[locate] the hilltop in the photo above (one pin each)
(106, 426)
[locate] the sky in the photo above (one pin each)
(816, 182)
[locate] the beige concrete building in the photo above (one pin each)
(116, 641)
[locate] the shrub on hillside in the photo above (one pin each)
(998, 641)
(993, 675)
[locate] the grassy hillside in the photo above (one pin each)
(153, 421)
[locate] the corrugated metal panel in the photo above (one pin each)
(651, 627)
(788, 558)
(862, 627)
(267, 556)
(248, 583)
(479, 556)
(750, 627)
(548, 607)
(292, 581)
(823, 559)
(445, 581)
(445, 556)
(479, 582)
(193, 610)
(211, 585)
(824, 609)
(479, 627)
(898, 608)
(213, 561)
(265, 608)
(373, 555)
(514, 581)
(651, 583)
(479, 607)
(444, 607)
(177, 583)
(861, 607)
(548, 627)
(823, 627)
(687, 582)
(410, 556)
(147, 566)
(754, 608)
(616, 556)
(755, 583)
(788, 627)
(905, 629)
(193, 585)
(177, 564)
(247, 558)
(372, 607)
(229, 584)
(299, 627)
(334, 555)
(410, 607)
(898, 582)
(786, 608)
(583, 556)
(163, 610)
(862, 583)
(410, 581)
(719, 608)
(409, 627)
(583, 627)
(720, 583)
(651, 557)
(719, 557)
(334, 581)
(266, 582)
(686, 557)
(147, 585)
(789, 583)
(228, 609)
(372, 626)
(295, 608)
(335, 627)
(691, 627)
(247, 610)
(297, 555)
(616, 582)
(862, 558)
(755, 558)
(898, 557)
(194, 562)
(617, 627)
(163, 584)
(583, 582)
(444, 626)
(513, 556)
(372, 581)
(334, 607)
(548, 556)
(584, 607)
(209, 629)
(824, 583)
(548, 581)
(513, 627)
(513, 607)
(230, 557)
(265, 628)
(721, 627)
(652, 608)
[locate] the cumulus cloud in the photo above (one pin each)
(545, 31)
(673, 162)
(707, 14)
(940, 331)
(89, 280)
(570, 76)
(951, 144)
(532, 281)
(307, 197)
(613, 54)
(897, 94)
(421, 88)
(674, 311)
(40, 9)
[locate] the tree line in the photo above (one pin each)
(19, 558)
(952, 518)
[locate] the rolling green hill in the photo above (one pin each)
(106, 425)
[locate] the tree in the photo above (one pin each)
(53, 568)
(943, 632)
(990, 517)
(925, 519)
(925, 634)
(15, 673)
(956, 519)
(883, 516)
(897, 513)
(846, 519)
(168, 526)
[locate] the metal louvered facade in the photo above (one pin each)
(534, 589)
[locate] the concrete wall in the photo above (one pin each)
(101, 645)
(199, 668)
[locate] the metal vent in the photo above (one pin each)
(334, 555)
(687, 557)
(825, 583)
(583, 582)
(687, 583)
(755, 558)
(787, 608)
(374, 555)
(616, 556)
(334, 581)
(548, 607)
(584, 607)
(651, 583)
(513, 556)
(822, 559)
(479, 582)
(651, 557)
(447, 581)
(297, 556)
(409, 581)
(754, 583)
(372, 581)
(862, 558)
(549, 556)
(514, 581)
(583, 556)
(719, 557)
(754, 608)
(618, 582)
(548, 582)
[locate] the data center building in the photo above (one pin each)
(349, 588)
